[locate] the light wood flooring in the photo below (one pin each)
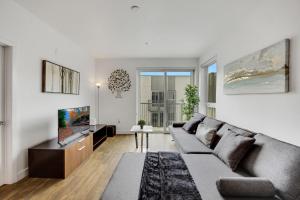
(88, 181)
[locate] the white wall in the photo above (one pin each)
(124, 110)
(277, 115)
(35, 113)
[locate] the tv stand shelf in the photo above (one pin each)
(51, 160)
(99, 134)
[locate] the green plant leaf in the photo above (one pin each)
(191, 100)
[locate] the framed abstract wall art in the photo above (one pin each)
(265, 71)
(59, 79)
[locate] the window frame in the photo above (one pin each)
(139, 70)
(204, 69)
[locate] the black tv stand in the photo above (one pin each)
(99, 134)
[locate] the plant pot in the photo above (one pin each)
(142, 126)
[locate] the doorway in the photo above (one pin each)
(161, 96)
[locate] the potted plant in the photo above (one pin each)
(141, 123)
(191, 100)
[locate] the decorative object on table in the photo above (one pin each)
(119, 82)
(191, 100)
(141, 123)
(98, 85)
(59, 79)
(265, 71)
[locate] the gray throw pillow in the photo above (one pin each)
(205, 134)
(232, 148)
(212, 123)
(191, 125)
(224, 129)
(245, 187)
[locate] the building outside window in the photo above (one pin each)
(161, 97)
(211, 90)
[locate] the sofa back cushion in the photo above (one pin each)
(277, 161)
(199, 116)
(213, 123)
(191, 125)
(232, 148)
(205, 134)
(224, 129)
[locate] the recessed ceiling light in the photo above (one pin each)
(135, 8)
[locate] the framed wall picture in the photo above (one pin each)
(265, 71)
(59, 79)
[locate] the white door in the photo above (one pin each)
(1, 114)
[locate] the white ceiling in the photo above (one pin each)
(173, 28)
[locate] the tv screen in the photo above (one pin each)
(72, 121)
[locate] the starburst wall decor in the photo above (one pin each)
(119, 82)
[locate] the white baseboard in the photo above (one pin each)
(22, 174)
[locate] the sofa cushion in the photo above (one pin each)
(206, 169)
(243, 132)
(191, 125)
(213, 123)
(277, 161)
(232, 148)
(178, 124)
(245, 187)
(125, 181)
(205, 134)
(199, 115)
(188, 143)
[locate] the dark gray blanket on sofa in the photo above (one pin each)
(166, 177)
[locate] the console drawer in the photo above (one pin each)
(85, 148)
(77, 153)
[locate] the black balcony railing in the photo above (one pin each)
(156, 114)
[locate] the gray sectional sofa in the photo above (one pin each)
(269, 158)
(189, 144)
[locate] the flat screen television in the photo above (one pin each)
(73, 122)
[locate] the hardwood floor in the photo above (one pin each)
(89, 180)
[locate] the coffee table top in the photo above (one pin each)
(137, 128)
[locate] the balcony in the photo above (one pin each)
(159, 114)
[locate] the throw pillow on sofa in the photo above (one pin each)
(246, 187)
(205, 134)
(191, 125)
(214, 123)
(232, 148)
(224, 129)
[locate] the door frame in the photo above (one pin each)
(165, 70)
(9, 169)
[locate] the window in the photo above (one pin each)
(209, 76)
(157, 97)
(161, 95)
(157, 119)
(211, 90)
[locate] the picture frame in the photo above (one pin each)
(59, 79)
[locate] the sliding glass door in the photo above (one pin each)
(161, 96)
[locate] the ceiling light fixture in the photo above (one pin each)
(134, 8)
